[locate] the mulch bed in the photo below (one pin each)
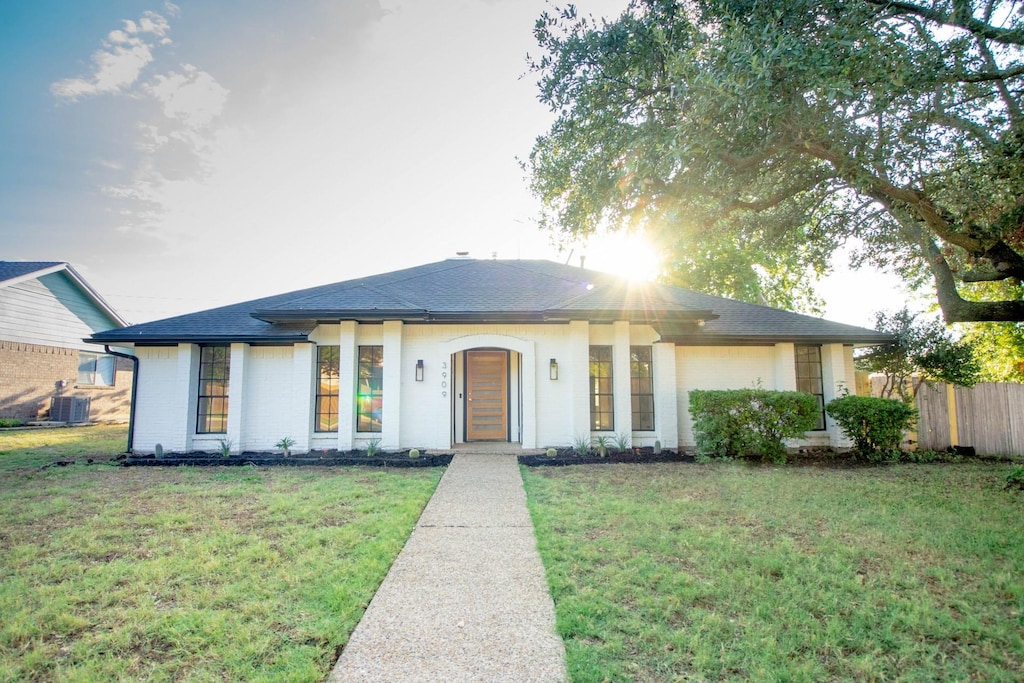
(326, 459)
(566, 456)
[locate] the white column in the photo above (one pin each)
(620, 378)
(785, 367)
(304, 374)
(347, 380)
(236, 395)
(834, 381)
(187, 387)
(666, 398)
(577, 373)
(394, 363)
(529, 389)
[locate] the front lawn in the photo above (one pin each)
(729, 572)
(31, 447)
(182, 574)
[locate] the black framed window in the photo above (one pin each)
(214, 373)
(808, 378)
(327, 389)
(370, 393)
(602, 409)
(95, 369)
(641, 386)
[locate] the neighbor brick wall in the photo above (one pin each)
(29, 374)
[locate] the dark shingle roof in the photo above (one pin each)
(12, 269)
(496, 291)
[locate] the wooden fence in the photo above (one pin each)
(987, 417)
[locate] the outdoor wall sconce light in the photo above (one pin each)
(419, 370)
(554, 369)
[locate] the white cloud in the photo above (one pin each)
(118, 65)
(192, 97)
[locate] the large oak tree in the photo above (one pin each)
(752, 138)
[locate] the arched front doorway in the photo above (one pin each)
(493, 389)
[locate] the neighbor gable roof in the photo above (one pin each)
(489, 291)
(14, 272)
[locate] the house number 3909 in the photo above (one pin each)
(444, 378)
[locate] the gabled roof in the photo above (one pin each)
(481, 291)
(16, 271)
(13, 272)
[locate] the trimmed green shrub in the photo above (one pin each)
(875, 425)
(744, 422)
(11, 422)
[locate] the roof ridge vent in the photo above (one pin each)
(462, 254)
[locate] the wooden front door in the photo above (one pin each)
(486, 395)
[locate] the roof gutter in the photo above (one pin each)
(135, 389)
(164, 339)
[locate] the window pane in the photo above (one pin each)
(601, 399)
(86, 368)
(808, 377)
(214, 374)
(326, 417)
(370, 389)
(641, 370)
(105, 371)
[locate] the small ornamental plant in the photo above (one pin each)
(285, 444)
(623, 441)
(581, 446)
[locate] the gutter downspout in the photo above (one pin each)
(135, 388)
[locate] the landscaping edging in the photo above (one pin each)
(565, 457)
(277, 460)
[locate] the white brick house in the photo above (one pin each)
(529, 352)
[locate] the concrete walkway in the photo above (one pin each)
(466, 599)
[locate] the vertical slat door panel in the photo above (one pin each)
(486, 395)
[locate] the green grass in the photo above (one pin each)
(728, 572)
(183, 574)
(23, 448)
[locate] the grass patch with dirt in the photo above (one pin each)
(184, 574)
(729, 572)
(33, 447)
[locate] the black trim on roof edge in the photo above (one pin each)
(767, 340)
(165, 340)
(423, 316)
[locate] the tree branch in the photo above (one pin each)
(958, 18)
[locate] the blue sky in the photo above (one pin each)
(194, 154)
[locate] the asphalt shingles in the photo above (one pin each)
(498, 290)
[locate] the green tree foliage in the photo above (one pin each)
(751, 138)
(999, 347)
(921, 350)
(875, 425)
(1000, 350)
(742, 422)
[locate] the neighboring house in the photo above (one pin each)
(530, 352)
(46, 309)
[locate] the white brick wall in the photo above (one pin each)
(158, 403)
(719, 367)
(265, 414)
(277, 385)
